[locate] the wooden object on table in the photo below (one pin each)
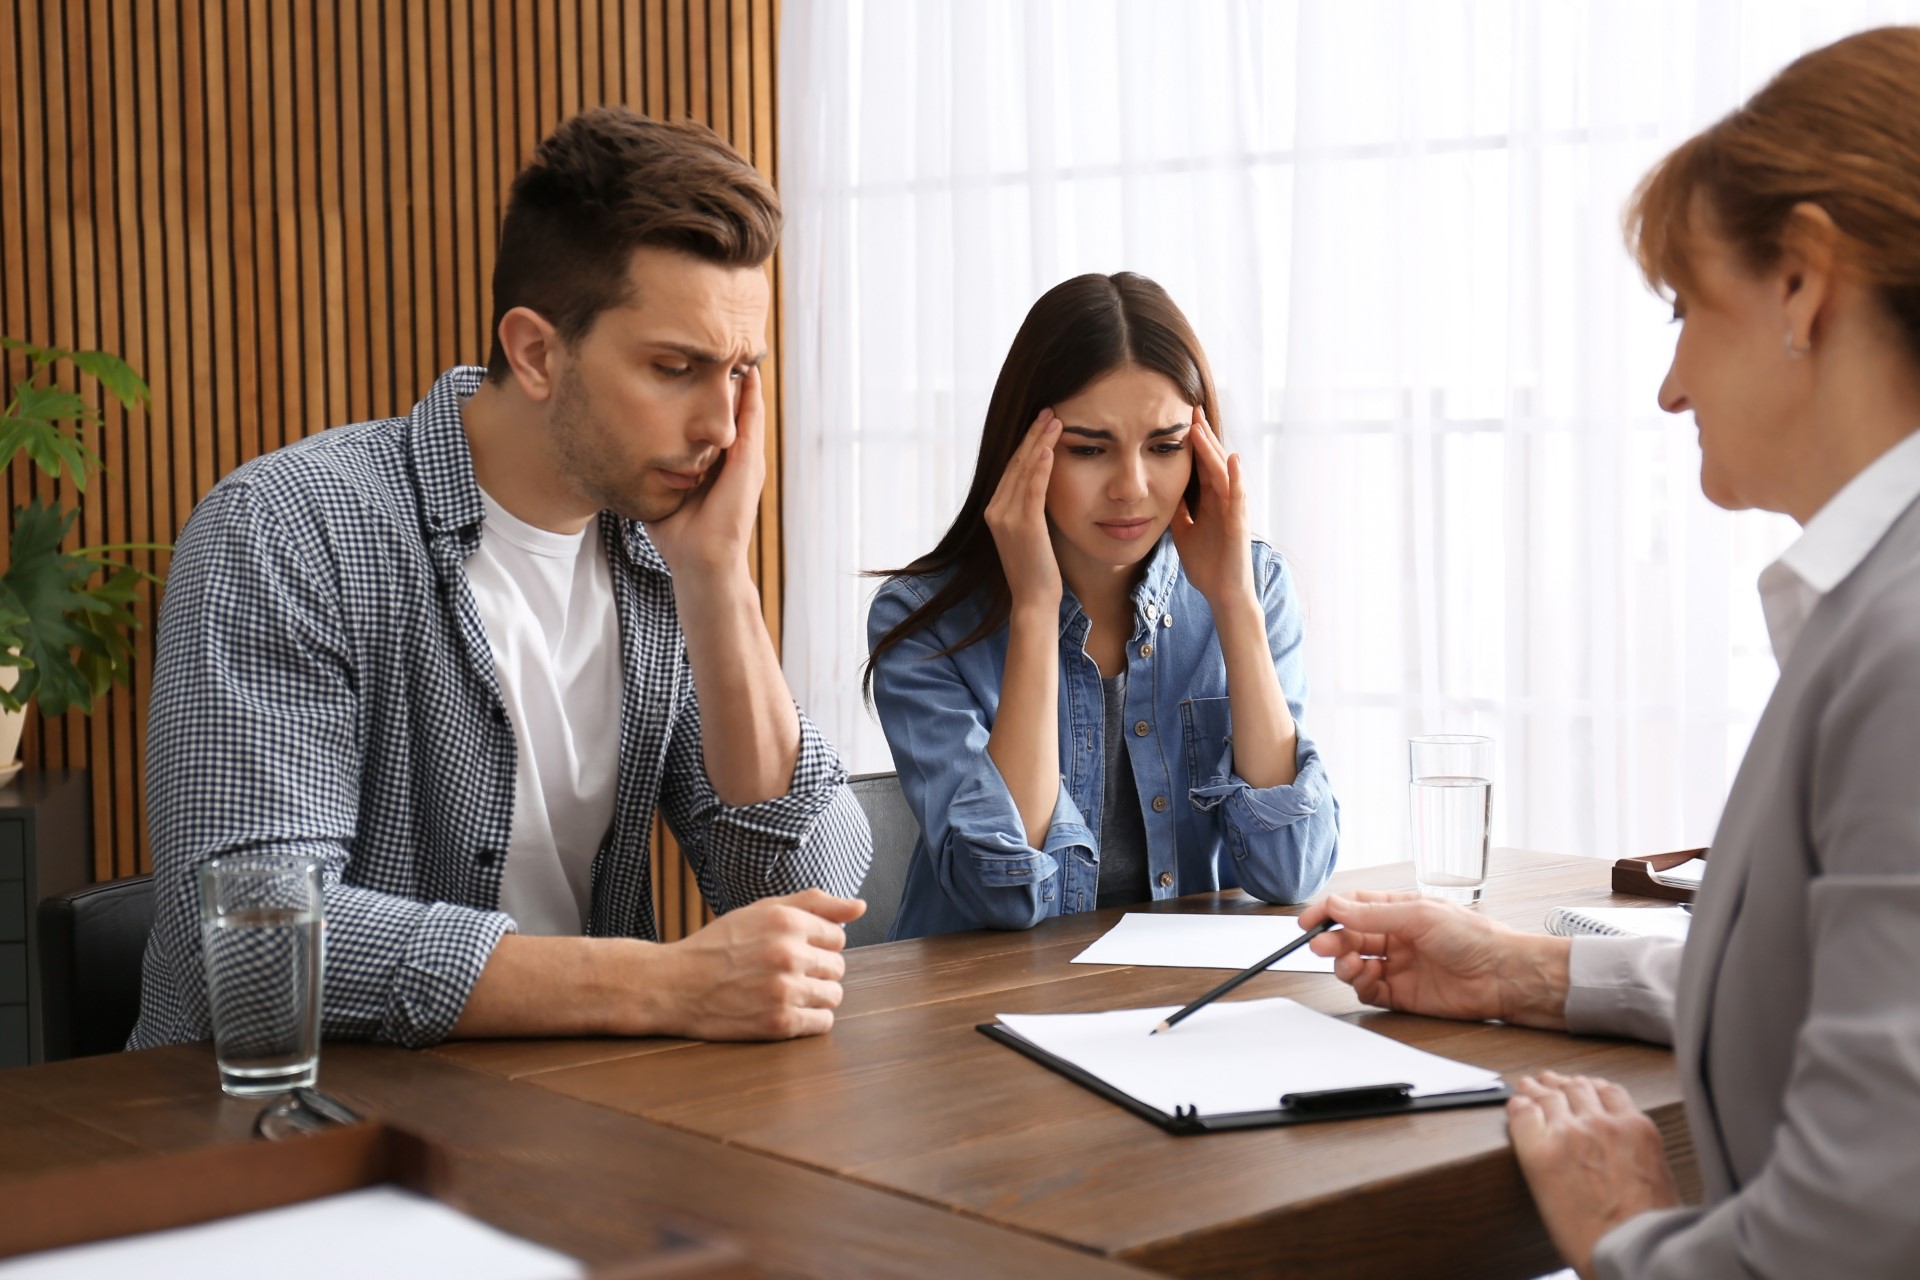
(580, 1179)
(1636, 875)
(187, 1188)
(906, 1095)
(46, 847)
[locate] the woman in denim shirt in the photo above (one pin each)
(1093, 685)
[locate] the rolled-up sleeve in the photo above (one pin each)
(938, 731)
(1284, 839)
(813, 837)
(253, 748)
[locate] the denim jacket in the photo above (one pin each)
(1207, 828)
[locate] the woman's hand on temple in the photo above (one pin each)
(1216, 544)
(1017, 517)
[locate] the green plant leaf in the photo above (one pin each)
(79, 459)
(51, 448)
(116, 375)
(73, 639)
(70, 615)
(43, 354)
(14, 433)
(50, 404)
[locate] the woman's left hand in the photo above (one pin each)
(1592, 1159)
(1216, 547)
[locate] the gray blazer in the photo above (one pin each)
(1794, 1006)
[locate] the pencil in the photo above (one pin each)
(1246, 973)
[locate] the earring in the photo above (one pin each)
(1793, 352)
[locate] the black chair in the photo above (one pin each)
(91, 944)
(895, 832)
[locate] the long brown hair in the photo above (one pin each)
(1078, 331)
(1839, 128)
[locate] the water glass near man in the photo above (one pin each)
(262, 918)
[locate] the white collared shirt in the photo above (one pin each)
(1833, 543)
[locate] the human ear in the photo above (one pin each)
(530, 342)
(1806, 273)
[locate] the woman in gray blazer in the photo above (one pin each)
(1789, 237)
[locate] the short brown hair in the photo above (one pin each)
(1839, 128)
(610, 181)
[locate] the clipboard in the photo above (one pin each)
(1636, 875)
(1299, 1108)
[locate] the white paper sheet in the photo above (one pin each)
(384, 1231)
(1202, 942)
(1690, 872)
(1238, 1055)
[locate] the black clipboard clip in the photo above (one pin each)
(1365, 1100)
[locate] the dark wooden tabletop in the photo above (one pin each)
(572, 1176)
(906, 1096)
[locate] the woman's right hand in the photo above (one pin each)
(1404, 951)
(1017, 515)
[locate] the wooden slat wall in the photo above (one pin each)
(283, 213)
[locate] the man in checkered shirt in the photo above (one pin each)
(455, 655)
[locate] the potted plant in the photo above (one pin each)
(66, 617)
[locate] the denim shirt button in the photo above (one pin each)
(1159, 804)
(1141, 728)
(1146, 650)
(1166, 619)
(1166, 879)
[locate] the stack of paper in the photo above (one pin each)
(1689, 873)
(1202, 942)
(1237, 1055)
(382, 1229)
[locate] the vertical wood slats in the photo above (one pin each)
(283, 213)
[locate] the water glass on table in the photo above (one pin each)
(1450, 789)
(261, 918)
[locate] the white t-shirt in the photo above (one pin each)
(546, 601)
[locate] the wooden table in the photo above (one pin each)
(906, 1097)
(575, 1177)
(906, 1144)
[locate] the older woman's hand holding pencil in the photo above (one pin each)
(1402, 951)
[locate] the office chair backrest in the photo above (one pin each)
(895, 832)
(91, 944)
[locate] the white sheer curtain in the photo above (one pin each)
(1395, 226)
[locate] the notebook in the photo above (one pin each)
(1619, 922)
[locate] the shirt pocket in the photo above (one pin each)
(1207, 726)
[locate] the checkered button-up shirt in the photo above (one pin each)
(324, 686)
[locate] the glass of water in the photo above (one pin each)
(1450, 811)
(260, 928)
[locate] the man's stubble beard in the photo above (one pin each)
(582, 448)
